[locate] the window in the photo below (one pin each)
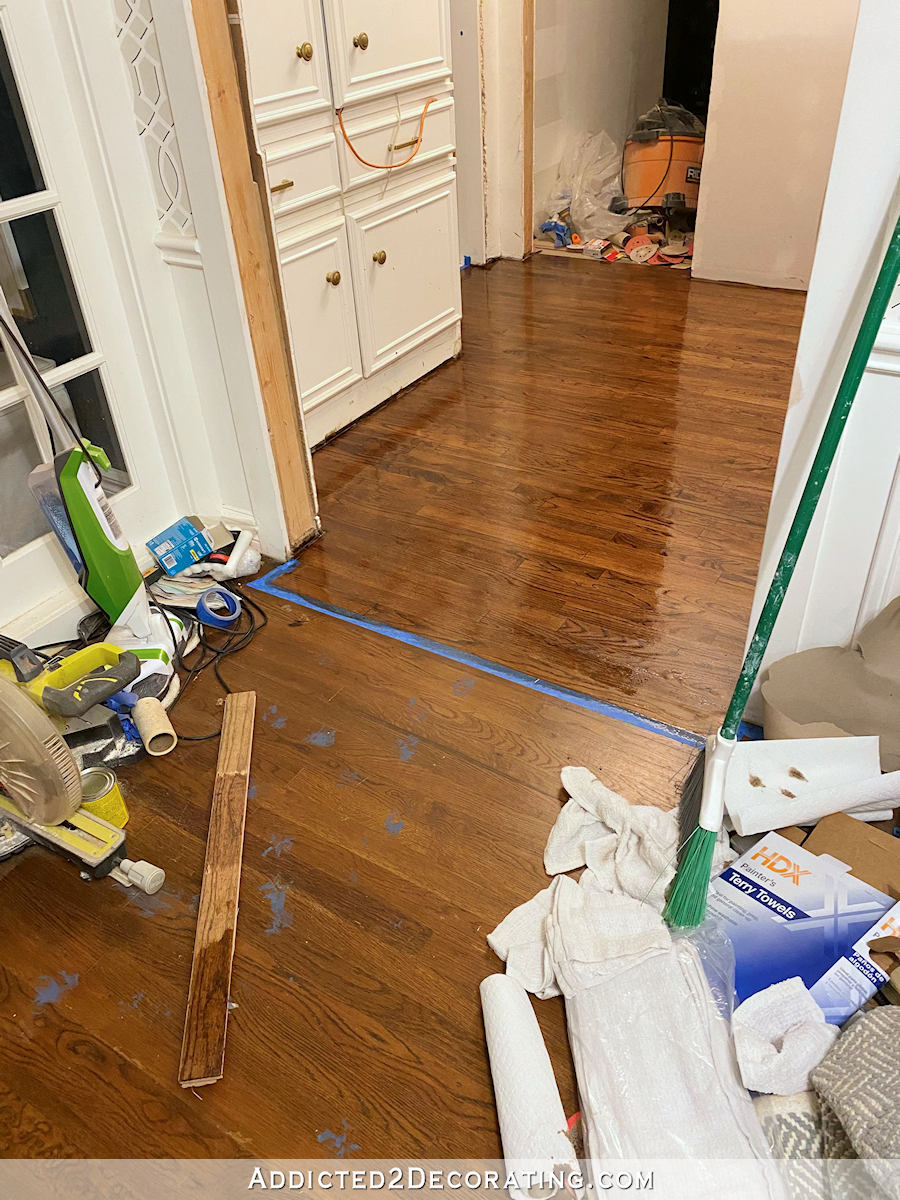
(36, 278)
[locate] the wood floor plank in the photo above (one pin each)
(206, 1019)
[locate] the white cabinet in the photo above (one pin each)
(378, 49)
(361, 328)
(405, 268)
(287, 58)
(318, 296)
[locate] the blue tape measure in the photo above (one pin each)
(222, 617)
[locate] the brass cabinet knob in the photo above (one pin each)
(379, 257)
(333, 277)
(361, 41)
(305, 51)
(283, 186)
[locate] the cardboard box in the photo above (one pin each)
(790, 912)
(870, 853)
(180, 546)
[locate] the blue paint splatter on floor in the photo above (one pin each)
(394, 825)
(407, 747)
(463, 686)
(353, 877)
(251, 789)
(414, 710)
(321, 737)
(51, 991)
(271, 711)
(277, 845)
(398, 924)
(279, 722)
(348, 776)
(342, 1147)
(134, 1002)
(276, 893)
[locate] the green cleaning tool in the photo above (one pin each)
(70, 492)
(702, 807)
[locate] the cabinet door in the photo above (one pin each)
(405, 272)
(277, 34)
(376, 49)
(321, 313)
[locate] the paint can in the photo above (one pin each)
(102, 796)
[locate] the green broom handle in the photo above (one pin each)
(831, 436)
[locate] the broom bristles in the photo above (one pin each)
(686, 900)
(690, 800)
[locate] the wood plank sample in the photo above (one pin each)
(203, 1047)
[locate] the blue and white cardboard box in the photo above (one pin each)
(854, 977)
(180, 546)
(789, 912)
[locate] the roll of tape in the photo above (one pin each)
(218, 619)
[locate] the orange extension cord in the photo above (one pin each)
(387, 166)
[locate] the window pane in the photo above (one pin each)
(85, 400)
(22, 520)
(38, 286)
(20, 174)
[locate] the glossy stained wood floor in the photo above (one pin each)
(399, 804)
(398, 809)
(582, 496)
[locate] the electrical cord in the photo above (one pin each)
(671, 136)
(387, 166)
(214, 646)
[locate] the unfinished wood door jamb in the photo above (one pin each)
(262, 299)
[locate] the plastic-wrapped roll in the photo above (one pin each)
(536, 1146)
(154, 726)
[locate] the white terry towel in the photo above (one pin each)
(631, 848)
(780, 1035)
(571, 935)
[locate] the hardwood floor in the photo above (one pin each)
(583, 494)
(398, 809)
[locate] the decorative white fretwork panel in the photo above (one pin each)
(137, 41)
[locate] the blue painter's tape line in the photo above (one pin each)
(580, 699)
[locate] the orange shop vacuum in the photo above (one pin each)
(662, 157)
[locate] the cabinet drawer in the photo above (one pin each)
(282, 83)
(309, 168)
(373, 134)
(414, 292)
(321, 314)
(398, 44)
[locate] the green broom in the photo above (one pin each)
(702, 806)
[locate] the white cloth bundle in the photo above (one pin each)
(529, 1109)
(631, 848)
(571, 935)
(656, 1070)
(780, 1035)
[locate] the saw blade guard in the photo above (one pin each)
(37, 769)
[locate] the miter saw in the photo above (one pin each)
(41, 794)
